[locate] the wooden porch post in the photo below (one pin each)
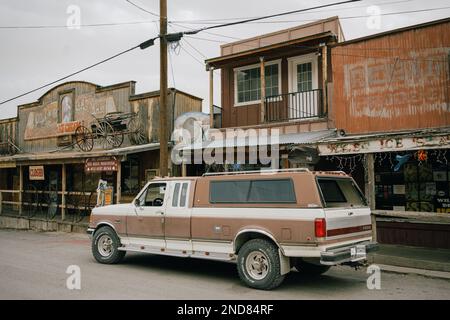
(20, 189)
(63, 195)
(263, 89)
(211, 97)
(118, 181)
(370, 190)
(324, 79)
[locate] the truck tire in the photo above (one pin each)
(310, 269)
(105, 246)
(258, 265)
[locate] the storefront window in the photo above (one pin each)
(420, 184)
(130, 176)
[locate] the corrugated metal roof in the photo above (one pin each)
(303, 138)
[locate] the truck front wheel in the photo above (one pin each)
(105, 246)
(259, 265)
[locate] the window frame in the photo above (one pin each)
(322, 197)
(249, 67)
(251, 182)
(292, 70)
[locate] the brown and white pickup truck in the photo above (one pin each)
(267, 223)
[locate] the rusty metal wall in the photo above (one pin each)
(393, 82)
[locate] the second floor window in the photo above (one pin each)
(248, 82)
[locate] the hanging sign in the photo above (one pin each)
(384, 145)
(102, 164)
(36, 173)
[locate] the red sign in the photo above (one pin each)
(68, 127)
(101, 164)
(36, 173)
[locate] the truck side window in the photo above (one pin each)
(176, 193)
(155, 195)
(183, 195)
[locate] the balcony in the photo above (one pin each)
(294, 106)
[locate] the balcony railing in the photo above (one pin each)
(294, 106)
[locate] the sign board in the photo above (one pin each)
(67, 127)
(36, 173)
(384, 145)
(102, 164)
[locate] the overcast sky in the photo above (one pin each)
(33, 57)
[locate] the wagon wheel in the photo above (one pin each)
(136, 132)
(108, 137)
(84, 139)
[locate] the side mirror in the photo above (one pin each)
(137, 203)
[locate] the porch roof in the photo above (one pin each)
(78, 155)
(303, 138)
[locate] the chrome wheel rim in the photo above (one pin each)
(105, 245)
(257, 265)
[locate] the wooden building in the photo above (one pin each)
(40, 156)
(391, 105)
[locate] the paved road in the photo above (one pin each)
(33, 266)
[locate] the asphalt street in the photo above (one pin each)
(33, 265)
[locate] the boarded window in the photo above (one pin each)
(252, 191)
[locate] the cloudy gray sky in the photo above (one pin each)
(31, 57)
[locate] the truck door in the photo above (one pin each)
(145, 228)
(177, 226)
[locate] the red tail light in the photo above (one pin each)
(320, 227)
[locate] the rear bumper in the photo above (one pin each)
(349, 253)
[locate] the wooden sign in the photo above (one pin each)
(102, 164)
(67, 127)
(36, 173)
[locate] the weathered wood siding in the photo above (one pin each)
(8, 132)
(37, 131)
(392, 82)
(148, 106)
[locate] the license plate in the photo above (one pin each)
(358, 252)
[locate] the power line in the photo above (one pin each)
(146, 11)
(142, 9)
(315, 11)
(81, 25)
(268, 16)
(216, 25)
(142, 45)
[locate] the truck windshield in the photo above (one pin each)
(340, 192)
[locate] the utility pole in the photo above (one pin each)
(163, 137)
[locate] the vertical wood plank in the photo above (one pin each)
(20, 189)
(263, 88)
(63, 189)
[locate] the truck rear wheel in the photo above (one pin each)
(309, 268)
(259, 265)
(105, 246)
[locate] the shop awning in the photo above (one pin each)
(304, 138)
(77, 154)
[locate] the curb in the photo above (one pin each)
(422, 272)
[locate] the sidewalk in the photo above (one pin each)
(403, 259)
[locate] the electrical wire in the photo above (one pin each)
(142, 9)
(76, 72)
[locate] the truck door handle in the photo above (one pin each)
(160, 212)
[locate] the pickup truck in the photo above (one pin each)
(266, 223)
